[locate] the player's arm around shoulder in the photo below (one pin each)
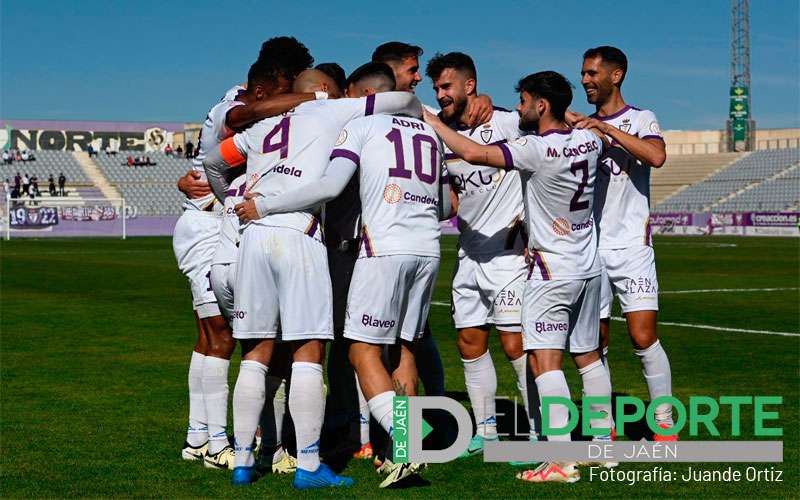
(465, 148)
(650, 150)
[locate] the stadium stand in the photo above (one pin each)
(47, 163)
(760, 171)
(151, 189)
(681, 171)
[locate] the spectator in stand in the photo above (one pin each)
(30, 156)
(61, 182)
(168, 150)
(17, 156)
(17, 181)
(147, 161)
(7, 158)
(26, 156)
(189, 150)
(130, 161)
(35, 186)
(6, 187)
(179, 150)
(91, 150)
(51, 185)
(109, 150)
(26, 184)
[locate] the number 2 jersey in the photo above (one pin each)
(490, 212)
(558, 170)
(623, 188)
(400, 173)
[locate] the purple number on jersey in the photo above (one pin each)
(574, 204)
(282, 143)
(400, 170)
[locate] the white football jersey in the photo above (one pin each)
(227, 248)
(623, 211)
(285, 152)
(558, 170)
(212, 133)
(400, 173)
(490, 212)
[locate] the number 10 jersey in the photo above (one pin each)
(400, 162)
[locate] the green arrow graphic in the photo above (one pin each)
(426, 429)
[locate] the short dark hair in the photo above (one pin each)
(334, 71)
(372, 70)
(549, 85)
(395, 52)
(284, 56)
(452, 60)
(611, 55)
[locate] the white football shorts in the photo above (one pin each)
(561, 314)
(488, 291)
(630, 274)
(282, 284)
(194, 242)
(389, 297)
(223, 279)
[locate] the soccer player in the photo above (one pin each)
(561, 297)
(194, 243)
(282, 278)
(400, 244)
(490, 273)
(622, 213)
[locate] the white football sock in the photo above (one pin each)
(248, 400)
(553, 383)
(481, 382)
(307, 406)
(604, 358)
(215, 393)
(271, 421)
(197, 433)
(381, 408)
(363, 414)
(520, 365)
(655, 367)
(596, 383)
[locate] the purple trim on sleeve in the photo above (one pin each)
(450, 156)
(556, 131)
(346, 153)
(370, 108)
(651, 136)
(312, 230)
(506, 155)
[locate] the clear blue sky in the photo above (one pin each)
(161, 60)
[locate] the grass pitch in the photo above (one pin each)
(96, 335)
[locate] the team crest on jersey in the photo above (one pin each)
(486, 135)
(561, 226)
(625, 126)
(392, 193)
(342, 138)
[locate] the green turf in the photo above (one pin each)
(96, 335)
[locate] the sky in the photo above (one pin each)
(171, 61)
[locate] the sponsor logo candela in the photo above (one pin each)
(392, 193)
(561, 226)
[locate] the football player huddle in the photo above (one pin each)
(312, 217)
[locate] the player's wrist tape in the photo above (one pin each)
(319, 94)
(261, 206)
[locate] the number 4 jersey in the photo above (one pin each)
(558, 170)
(400, 174)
